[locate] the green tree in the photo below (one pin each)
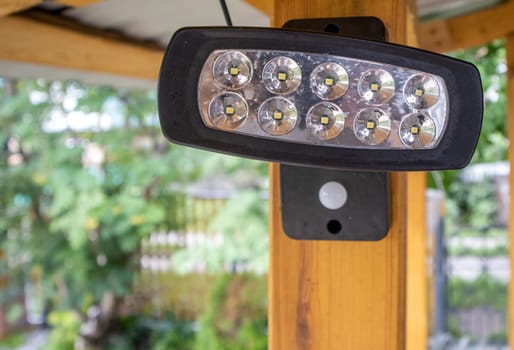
(85, 175)
(493, 142)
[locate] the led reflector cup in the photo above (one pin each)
(282, 75)
(417, 130)
(329, 81)
(421, 91)
(228, 111)
(277, 116)
(376, 86)
(232, 70)
(372, 126)
(325, 120)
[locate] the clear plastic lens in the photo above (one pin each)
(232, 70)
(282, 75)
(342, 102)
(228, 111)
(417, 130)
(277, 116)
(376, 86)
(325, 120)
(329, 81)
(421, 91)
(372, 126)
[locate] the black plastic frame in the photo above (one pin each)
(363, 27)
(182, 123)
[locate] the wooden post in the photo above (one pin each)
(345, 295)
(510, 133)
(416, 328)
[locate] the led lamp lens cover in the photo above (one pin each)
(352, 85)
(319, 99)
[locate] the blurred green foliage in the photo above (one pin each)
(249, 246)
(471, 207)
(493, 142)
(65, 327)
(86, 175)
(484, 291)
(12, 341)
(235, 317)
(145, 332)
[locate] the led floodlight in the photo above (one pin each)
(319, 99)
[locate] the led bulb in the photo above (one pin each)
(421, 91)
(372, 126)
(232, 70)
(325, 120)
(329, 81)
(277, 116)
(228, 110)
(282, 75)
(376, 86)
(417, 130)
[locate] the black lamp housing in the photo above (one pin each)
(182, 123)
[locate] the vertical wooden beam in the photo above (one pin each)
(416, 332)
(417, 286)
(340, 295)
(510, 133)
(77, 3)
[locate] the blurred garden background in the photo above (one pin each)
(112, 238)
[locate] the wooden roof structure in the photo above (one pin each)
(38, 35)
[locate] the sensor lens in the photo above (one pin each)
(228, 111)
(277, 116)
(282, 75)
(329, 81)
(232, 70)
(372, 126)
(333, 195)
(421, 91)
(417, 130)
(325, 120)
(376, 86)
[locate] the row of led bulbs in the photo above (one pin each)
(281, 75)
(325, 120)
(278, 115)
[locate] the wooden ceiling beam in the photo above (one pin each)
(12, 6)
(265, 6)
(35, 41)
(468, 30)
(77, 3)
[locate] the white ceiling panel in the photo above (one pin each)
(157, 20)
